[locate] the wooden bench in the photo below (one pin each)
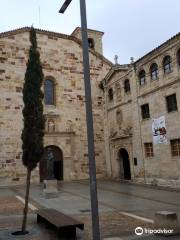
(65, 225)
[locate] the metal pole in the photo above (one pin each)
(89, 119)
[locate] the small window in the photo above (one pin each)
(127, 87)
(178, 57)
(91, 43)
(135, 162)
(154, 71)
(167, 64)
(49, 92)
(175, 147)
(171, 103)
(148, 148)
(142, 77)
(110, 94)
(145, 111)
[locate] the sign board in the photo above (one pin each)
(159, 130)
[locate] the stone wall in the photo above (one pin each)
(61, 58)
(162, 167)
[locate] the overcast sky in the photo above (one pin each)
(132, 27)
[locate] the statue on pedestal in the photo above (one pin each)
(50, 164)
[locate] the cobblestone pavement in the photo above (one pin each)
(74, 200)
(112, 224)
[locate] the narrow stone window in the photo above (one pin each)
(135, 162)
(171, 103)
(167, 65)
(142, 78)
(154, 71)
(175, 147)
(127, 87)
(178, 57)
(49, 92)
(91, 43)
(145, 111)
(148, 148)
(110, 94)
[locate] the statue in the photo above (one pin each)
(51, 126)
(116, 59)
(50, 164)
(119, 117)
(118, 91)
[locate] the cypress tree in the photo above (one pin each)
(33, 130)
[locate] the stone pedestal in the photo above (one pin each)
(50, 189)
(166, 220)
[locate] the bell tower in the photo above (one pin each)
(94, 39)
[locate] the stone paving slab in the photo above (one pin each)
(11, 205)
(74, 200)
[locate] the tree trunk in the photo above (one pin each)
(24, 223)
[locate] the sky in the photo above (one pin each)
(132, 27)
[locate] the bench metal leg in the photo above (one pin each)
(39, 219)
(67, 232)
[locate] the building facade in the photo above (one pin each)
(136, 110)
(142, 117)
(65, 137)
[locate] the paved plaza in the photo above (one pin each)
(122, 208)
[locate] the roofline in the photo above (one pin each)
(91, 30)
(41, 31)
(116, 68)
(155, 49)
(55, 34)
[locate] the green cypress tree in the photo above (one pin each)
(33, 131)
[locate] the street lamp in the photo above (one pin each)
(89, 118)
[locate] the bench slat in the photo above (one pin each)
(59, 219)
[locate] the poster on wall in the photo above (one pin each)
(159, 130)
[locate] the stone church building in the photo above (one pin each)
(127, 100)
(64, 104)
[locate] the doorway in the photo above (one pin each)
(51, 164)
(125, 170)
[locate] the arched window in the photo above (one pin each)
(142, 77)
(49, 92)
(154, 71)
(110, 94)
(127, 87)
(91, 43)
(178, 57)
(167, 64)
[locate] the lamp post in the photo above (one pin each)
(89, 118)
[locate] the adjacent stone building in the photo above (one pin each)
(142, 117)
(64, 104)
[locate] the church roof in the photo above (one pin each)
(89, 30)
(119, 67)
(54, 34)
(158, 47)
(116, 68)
